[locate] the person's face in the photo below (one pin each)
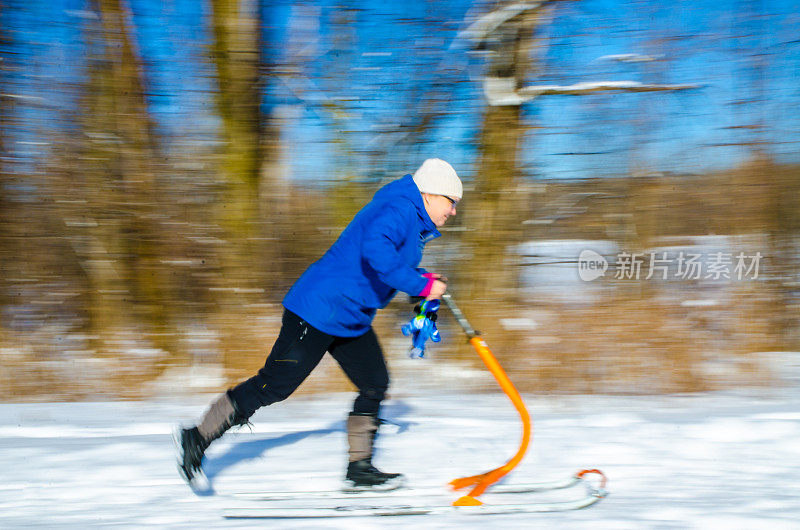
(439, 207)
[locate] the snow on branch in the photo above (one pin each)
(597, 86)
(501, 90)
(487, 24)
(629, 58)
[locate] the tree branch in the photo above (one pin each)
(500, 91)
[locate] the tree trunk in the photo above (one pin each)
(237, 58)
(495, 207)
(123, 246)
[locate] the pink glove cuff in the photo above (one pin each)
(428, 286)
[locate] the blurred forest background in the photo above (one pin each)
(169, 168)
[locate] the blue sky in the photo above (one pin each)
(746, 56)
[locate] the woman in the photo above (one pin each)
(330, 309)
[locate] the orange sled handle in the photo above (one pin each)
(481, 482)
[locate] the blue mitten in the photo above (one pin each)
(422, 327)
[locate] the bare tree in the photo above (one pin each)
(508, 33)
(121, 244)
(236, 55)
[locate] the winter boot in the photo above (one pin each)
(193, 442)
(361, 474)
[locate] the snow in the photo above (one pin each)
(713, 460)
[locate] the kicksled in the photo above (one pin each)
(503, 498)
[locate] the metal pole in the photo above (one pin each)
(459, 316)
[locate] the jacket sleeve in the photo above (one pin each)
(390, 229)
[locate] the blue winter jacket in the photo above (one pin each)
(376, 256)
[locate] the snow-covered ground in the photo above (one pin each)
(717, 460)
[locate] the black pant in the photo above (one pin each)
(298, 350)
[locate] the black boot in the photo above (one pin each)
(191, 448)
(361, 474)
(192, 443)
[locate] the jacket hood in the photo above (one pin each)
(406, 189)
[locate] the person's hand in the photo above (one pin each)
(436, 276)
(437, 290)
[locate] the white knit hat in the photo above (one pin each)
(437, 177)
